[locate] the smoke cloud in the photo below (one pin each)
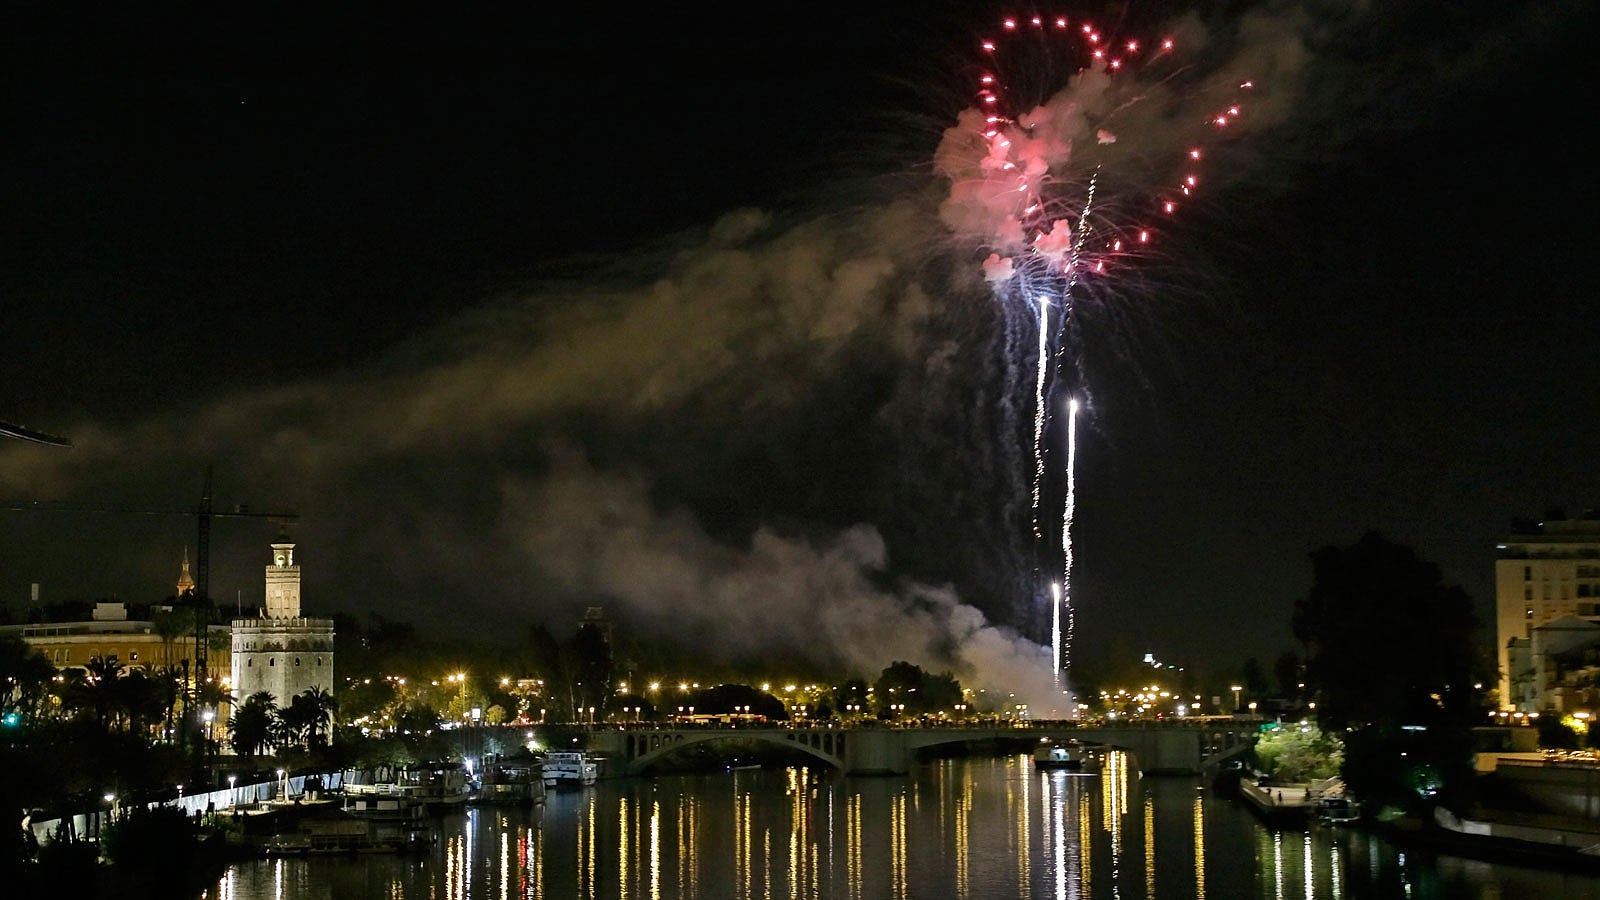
(744, 326)
(601, 533)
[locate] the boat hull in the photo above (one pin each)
(569, 771)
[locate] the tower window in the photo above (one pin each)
(297, 660)
(273, 661)
(248, 663)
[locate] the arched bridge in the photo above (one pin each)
(1164, 748)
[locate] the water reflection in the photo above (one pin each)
(971, 829)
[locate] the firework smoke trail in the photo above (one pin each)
(1041, 183)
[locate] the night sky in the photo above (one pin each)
(526, 314)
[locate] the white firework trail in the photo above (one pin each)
(1064, 652)
(1038, 413)
(1055, 632)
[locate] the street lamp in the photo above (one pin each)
(1236, 689)
(233, 799)
(284, 787)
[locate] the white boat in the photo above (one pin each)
(1338, 810)
(569, 769)
(1068, 755)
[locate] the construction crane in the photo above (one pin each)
(203, 514)
(23, 433)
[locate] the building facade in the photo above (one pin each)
(280, 651)
(137, 644)
(1547, 585)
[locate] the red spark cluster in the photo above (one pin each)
(1115, 55)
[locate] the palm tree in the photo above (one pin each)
(137, 701)
(170, 678)
(287, 726)
(169, 625)
(252, 724)
(318, 708)
(25, 676)
(73, 691)
(103, 672)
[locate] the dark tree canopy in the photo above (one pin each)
(1392, 659)
(738, 698)
(921, 692)
(1387, 641)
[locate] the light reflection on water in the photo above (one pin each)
(978, 829)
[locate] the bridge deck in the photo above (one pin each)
(880, 749)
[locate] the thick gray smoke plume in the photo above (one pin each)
(745, 324)
(601, 533)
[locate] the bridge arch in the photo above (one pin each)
(639, 750)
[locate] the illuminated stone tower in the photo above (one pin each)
(283, 584)
(280, 651)
(185, 580)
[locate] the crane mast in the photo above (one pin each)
(203, 513)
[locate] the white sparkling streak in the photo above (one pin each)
(1064, 653)
(1038, 412)
(1055, 631)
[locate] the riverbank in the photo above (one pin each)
(154, 853)
(1570, 845)
(1290, 804)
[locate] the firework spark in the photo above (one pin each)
(1038, 414)
(1068, 510)
(1065, 170)
(1055, 633)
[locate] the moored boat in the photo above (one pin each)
(1068, 755)
(564, 769)
(1338, 810)
(509, 784)
(347, 834)
(406, 793)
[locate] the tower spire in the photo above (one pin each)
(283, 583)
(185, 580)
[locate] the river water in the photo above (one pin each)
(963, 828)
